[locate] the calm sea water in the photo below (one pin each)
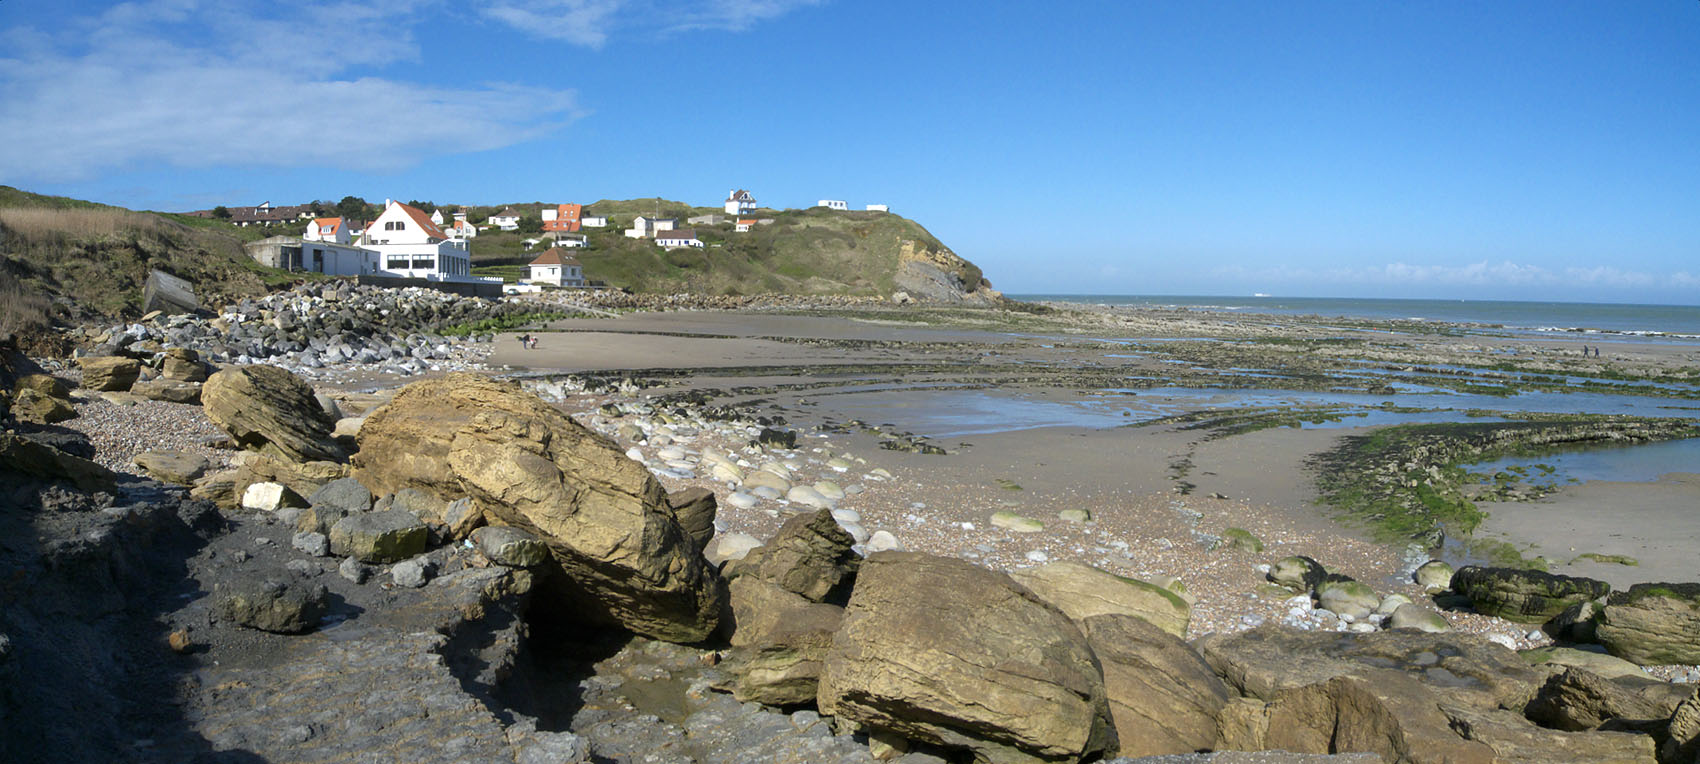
(1678, 321)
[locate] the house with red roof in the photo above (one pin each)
(564, 218)
(331, 230)
(556, 268)
(410, 245)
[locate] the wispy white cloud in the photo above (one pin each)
(198, 83)
(1481, 274)
(590, 22)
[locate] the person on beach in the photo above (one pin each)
(525, 341)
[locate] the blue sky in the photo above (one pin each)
(1512, 150)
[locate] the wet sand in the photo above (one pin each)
(1657, 524)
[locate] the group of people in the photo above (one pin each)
(528, 341)
(1586, 350)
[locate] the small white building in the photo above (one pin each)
(593, 221)
(878, 208)
(314, 255)
(437, 217)
(556, 268)
(833, 204)
(460, 229)
(331, 230)
(739, 202)
(507, 219)
(567, 240)
(644, 228)
(674, 239)
(744, 224)
(410, 245)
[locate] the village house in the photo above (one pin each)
(744, 224)
(437, 217)
(507, 219)
(263, 214)
(556, 268)
(460, 229)
(833, 204)
(563, 217)
(410, 245)
(739, 202)
(644, 228)
(878, 208)
(674, 239)
(594, 221)
(567, 240)
(331, 230)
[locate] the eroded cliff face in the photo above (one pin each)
(936, 274)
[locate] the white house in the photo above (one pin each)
(593, 221)
(878, 208)
(567, 240)
(833, 204)
(739, 201)
(437, 217)
(643, 228)
(410, 245)
(556, 268)
(684, 238)
(743, 224)
(507, 219)
(460, 229)
(325, 255)
(331, 230)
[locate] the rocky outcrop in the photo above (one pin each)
(944, 651)
(176, 467)
(1406, 695)
(1082, 591)
(1163, 696)
(269, 410)
(1653, 624)
(605, 518)
(934, 274)
(108, 373)
(810, 556)
(1578, 699)
(1525, 596)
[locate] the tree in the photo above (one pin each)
(352, 208)
(221, 212)
(530, 224)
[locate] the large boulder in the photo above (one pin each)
(27, 457)
(109, 372)
(526, 464)
(779, 642)
(695, 508)
(283, 606)
(1163, 696)
(1579, 699)
(944, 651)
(183, 365)
(29, 405)
(168, 390)
(1653, 624)
(1525, 596)
(809, 556)
(1082, 591)
(177, 467)
(1407, 695)
(269, 410)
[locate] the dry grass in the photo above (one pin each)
(39, 224)
(22, 310)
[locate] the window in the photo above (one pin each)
(423, 263)
(396, 263)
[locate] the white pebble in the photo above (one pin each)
(1038, 556)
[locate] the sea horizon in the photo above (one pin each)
(1554, 316)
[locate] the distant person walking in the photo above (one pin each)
(525, 341)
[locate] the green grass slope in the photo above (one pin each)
(807, 251)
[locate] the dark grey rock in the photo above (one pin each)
(346, 494)
(279, 606)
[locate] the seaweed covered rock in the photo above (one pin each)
(528, 465)
(944, 651)
(1653, 624)
(1525, 596)
(269, 410)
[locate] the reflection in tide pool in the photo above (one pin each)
(1643, 463)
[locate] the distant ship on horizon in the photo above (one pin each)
(1260, 294)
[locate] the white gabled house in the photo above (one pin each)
(460, 229)
(437, 217)
(674, 239)
(410, 245)
(507, 219)
(330, 230)
(644, 228)
(739, 201)
(594, 221)
(556, 268)
(833, 204)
